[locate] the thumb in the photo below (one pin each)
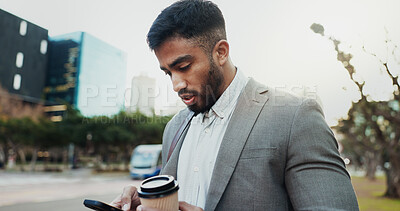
(126, 206)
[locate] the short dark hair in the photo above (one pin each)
(199, 20)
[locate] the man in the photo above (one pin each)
(247, 147)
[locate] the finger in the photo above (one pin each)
(183, 206)
(135, 201)
(126, 197)
(116, 202)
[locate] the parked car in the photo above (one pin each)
(145, 161)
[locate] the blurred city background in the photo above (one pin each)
(80, 90)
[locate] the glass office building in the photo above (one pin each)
(86, 73)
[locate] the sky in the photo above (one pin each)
(270, 40)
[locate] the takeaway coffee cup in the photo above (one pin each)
(160, 192)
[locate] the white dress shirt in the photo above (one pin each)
(200, 147)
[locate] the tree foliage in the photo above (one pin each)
(110, 137)
(372, 129)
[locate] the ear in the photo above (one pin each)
(221, 52)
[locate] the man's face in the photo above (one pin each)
(194, 75)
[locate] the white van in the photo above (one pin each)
(145, 161)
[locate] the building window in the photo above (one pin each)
(19, 61)
(23, 27)
(43, 46)
(17, 81)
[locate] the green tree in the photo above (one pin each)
(373, 126)
(23, 133)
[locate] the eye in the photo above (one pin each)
(184, 68)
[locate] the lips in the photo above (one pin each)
(188, 99)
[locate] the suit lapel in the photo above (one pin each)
(244, 116)
(172, 164)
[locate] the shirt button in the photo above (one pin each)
(196, 169)
(207, 130)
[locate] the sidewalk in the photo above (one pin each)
(23, 187)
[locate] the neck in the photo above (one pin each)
(229, 71)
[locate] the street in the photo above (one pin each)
(58, 191)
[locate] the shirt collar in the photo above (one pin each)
(228, 99)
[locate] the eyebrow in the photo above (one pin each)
(178, 60)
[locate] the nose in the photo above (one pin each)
(178, 82)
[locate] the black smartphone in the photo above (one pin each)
(100, 206)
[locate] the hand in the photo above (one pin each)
(128, 200)
(183, 206)
(143, 208)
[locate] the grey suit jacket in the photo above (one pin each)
(278, 153)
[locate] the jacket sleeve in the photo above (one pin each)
(315, 175)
